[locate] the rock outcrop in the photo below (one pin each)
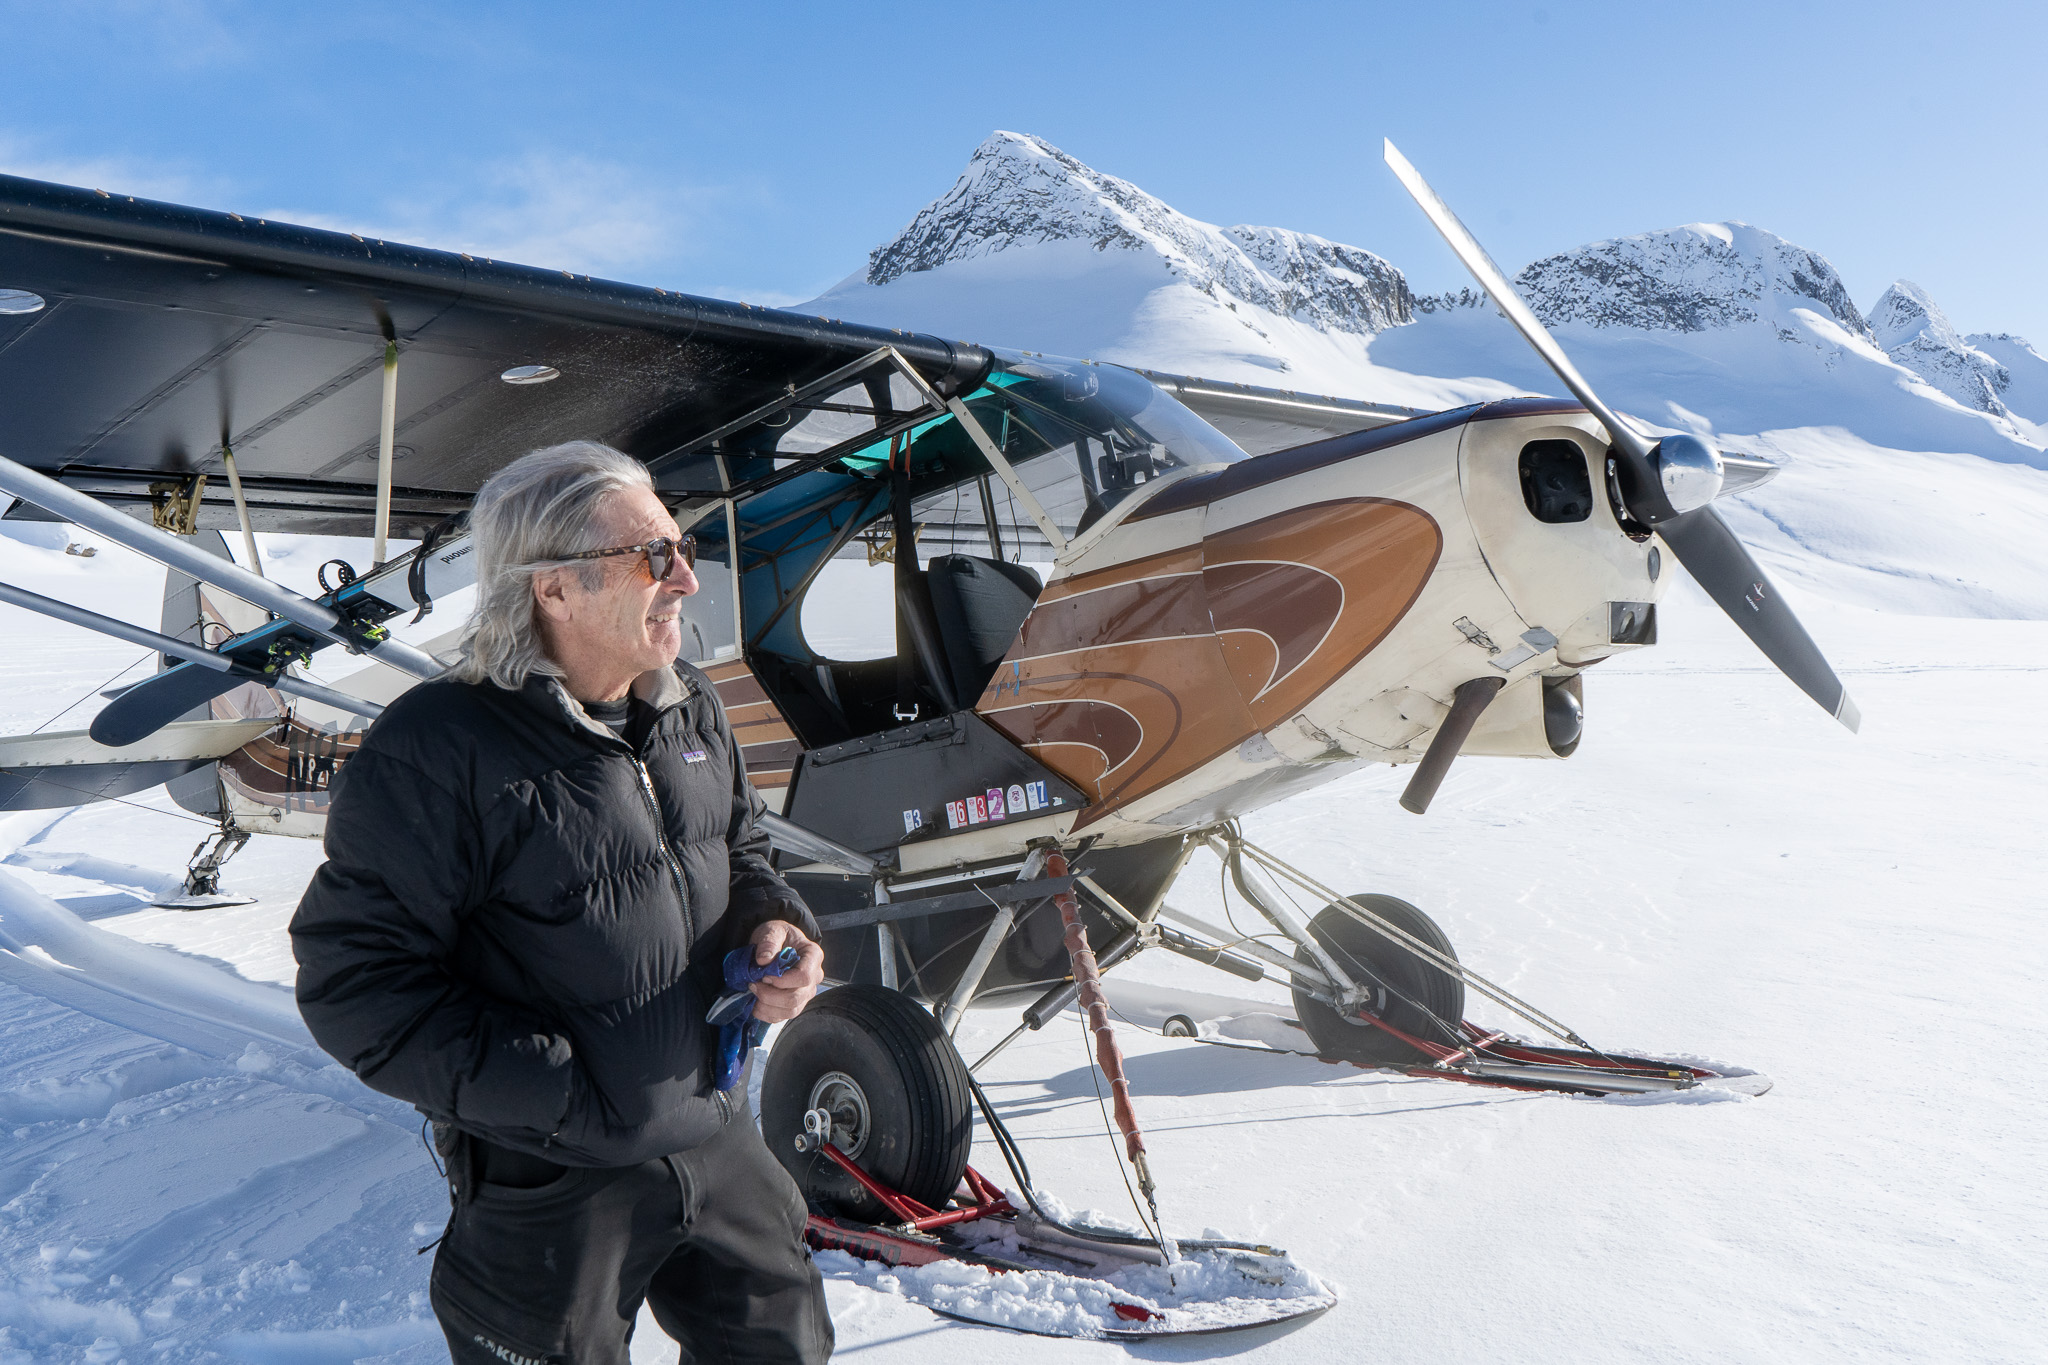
(1019, 191)
(1688, 279)
(1914, 331)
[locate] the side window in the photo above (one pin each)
(710, 630)
(1555, 484)
(849, 610)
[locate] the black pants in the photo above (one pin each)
(554, 1273)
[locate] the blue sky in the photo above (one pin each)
(760, 150)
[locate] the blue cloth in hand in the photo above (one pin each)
(739, 1032)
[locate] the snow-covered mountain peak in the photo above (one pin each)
(1914, 331)
(2026, 395)
(1695, 278)
(1020, 192)
(1905, 310)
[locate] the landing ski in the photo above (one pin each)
(1018, 1272)
(1022, 1264)
(1499, 1059)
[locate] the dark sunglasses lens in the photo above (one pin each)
(661, 556)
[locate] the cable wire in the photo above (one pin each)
(93, 693)
(1109, 1131)
(1013, 1157)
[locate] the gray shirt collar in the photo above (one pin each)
(661, 688)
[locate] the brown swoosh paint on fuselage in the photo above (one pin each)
(1274, 614)
(1126, 679)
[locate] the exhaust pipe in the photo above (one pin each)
(1467, 702)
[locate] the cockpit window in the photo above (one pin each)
(1082, 437)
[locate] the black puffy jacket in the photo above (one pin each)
(521, 920)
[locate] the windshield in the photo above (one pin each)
(1082, 437)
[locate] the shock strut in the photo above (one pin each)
(1108, 1056)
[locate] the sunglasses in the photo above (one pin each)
(662, 554)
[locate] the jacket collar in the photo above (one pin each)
(663, 689)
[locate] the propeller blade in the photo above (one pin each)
(1724, 567)
(1490, 278)
(1700, 539)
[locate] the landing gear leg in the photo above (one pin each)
(202, 875)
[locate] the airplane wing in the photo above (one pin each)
(67, 768)
(1262, 420)
(165, 334)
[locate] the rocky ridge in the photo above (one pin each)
(1914, 331)
(1031, 246)
(2026, 395)
(1021, 191)
(1695, 278)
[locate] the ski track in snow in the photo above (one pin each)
(183, 1176)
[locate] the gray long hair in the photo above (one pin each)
(527, 516)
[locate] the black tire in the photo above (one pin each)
(1414, 996)
(1180, 1026)
(898, 1091)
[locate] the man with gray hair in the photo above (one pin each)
(536, 866)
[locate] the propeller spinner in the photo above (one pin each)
(1667, 486)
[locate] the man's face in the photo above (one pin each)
(605, 638)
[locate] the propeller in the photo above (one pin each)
(1667, 486)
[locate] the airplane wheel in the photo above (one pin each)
(897, 1092)
(1414, 996)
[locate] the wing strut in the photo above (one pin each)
(89, 512)
(227, 457)
(387, 427)
(188, 652)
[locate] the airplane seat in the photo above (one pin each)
(980, 605)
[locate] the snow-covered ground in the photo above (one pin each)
(1719, 871)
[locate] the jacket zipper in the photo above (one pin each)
(675, 866)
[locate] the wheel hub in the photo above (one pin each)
(840, 1095)
(1368, 997)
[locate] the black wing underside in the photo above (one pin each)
(170, 333)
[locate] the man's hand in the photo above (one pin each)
(781, 998)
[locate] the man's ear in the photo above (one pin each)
(551, 594)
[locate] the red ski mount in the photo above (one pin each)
(894, 1247)
(988, 1199)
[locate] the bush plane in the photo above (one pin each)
(1251, 593)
